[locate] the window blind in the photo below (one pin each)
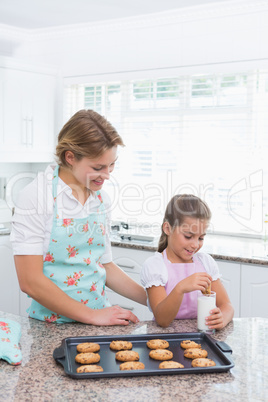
(204, 134)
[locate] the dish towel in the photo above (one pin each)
(10, 333)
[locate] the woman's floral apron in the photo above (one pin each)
(73, 260)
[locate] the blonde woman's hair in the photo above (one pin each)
(179, 208)
(86, 134)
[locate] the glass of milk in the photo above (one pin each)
(205, 303)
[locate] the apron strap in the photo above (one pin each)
(54, 190)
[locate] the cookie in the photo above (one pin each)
(203, 363)
(88, 347)
(92, 368)
(120, 345)
(170, 365)
(157, 344)
(194, 353)
(207, 291)
(132, 366)
(161, 354)
(190, 344)
(87, 358)
(127, 356)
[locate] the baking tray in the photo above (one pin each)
(218, 351)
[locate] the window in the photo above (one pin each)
(202, 134)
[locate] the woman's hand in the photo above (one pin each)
(215, 320)
(114, 315)
(197, 281)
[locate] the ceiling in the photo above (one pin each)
(36, 14)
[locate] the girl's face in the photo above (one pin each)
(91, 173)
(185, 240)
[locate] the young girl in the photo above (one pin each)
(173, 276)
(59, 235)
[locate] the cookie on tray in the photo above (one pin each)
(194, 353)
(127, 356)
(161, 354)
(88, 347)
(87, 358)
(120, 345)
(203, 363)
(170, 364)
(132, 366)
(190, 344)
(157, 344)
(91, 368)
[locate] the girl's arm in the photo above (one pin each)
(33, 282)
(165, 307)
(120, 282)
(224, 312)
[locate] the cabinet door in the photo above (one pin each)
(14, 125)
(130, 261)
(9, 287)
(27, 132)
(254, 291)
(41, 113)
(231, 281)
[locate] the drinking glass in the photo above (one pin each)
(205, 303)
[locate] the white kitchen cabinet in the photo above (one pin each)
(9, 287)
(130, 260)
(27, 114)
(231, 279)
(12, 299)
(254, 291)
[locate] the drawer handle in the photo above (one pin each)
(126, 266)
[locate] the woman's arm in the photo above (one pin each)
(120, 282)
(224, 312)
(165, 307)
(33, 282)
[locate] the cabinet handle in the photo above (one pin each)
(126, 266)
(24, 131)
(30, 131)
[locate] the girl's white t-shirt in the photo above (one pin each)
(33, 218)
(154, 271)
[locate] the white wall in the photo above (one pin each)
(186, 40)
(227, 32)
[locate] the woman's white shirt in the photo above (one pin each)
(33, 218)
(154, 271)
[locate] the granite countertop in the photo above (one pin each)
(40, 378)
(242, 250)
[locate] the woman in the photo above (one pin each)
(59, 234)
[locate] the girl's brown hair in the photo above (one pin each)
(86, 134)
(179, 208)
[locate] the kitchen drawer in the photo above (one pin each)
(142, 312)
(130, 260)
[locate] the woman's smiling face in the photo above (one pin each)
(91, 173)
(185, 240)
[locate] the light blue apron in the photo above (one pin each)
(73, 260)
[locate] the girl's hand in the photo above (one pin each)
(114, 315)
(197, 281)
(215, 320)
